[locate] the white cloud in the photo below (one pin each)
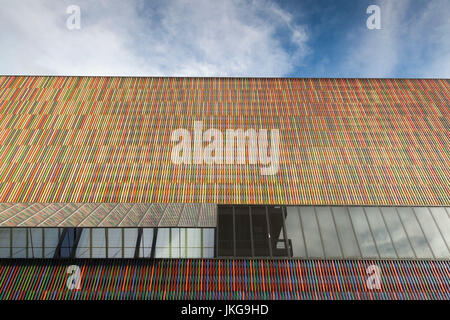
(414, 41)
(179, 38)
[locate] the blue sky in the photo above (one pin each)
(309, 38)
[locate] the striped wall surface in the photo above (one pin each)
(107, 139)
(107, 215)
(224, 279)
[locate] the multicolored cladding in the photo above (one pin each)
(107, 139)
(223, 279)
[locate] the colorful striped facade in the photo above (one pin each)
(94, 153)
(107, 139)
(225, 279)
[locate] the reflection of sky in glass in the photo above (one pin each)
(363, 233)
(398, 234)
(114, 243)
(314, 232)
(19, 242)
(5, 236)
(442, 218)
(328, 231)
(346, 234)
(311, 232)
(380, 232)
(369, 232)
(431, 232)
(294, 231)
(51, 237)
(414, 232)
(35, 243)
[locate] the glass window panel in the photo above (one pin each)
(128, 252)
(243, 237)
(380, 233)
(114, 252)
(83, 249)
(432, 233)
(346, 235)
(162, 252)
(98, 243)
(294, 232)
(163, 238)
(208, 252)
(194, 252)
(328, 231)
(114, 242)
(183, 250)
(67, 242)
(98, 252)
(129, 241)
(115, 237)
(175, 252)
(311, 232)
(208, 237)
(35, 243)
(19, 242)
(260, 232)
(414, 232)
(51, 238)
(225, 230)
(443, 222)
(194, 238)
(5, 242)
(145, 248)
(175, 237)
(99, 237)
(363, 234)
(276, 231)
(398, 234)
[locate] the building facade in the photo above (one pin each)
(224, 188)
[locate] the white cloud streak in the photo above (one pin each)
(414, 41)
(178, 38)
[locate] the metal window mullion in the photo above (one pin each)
(76, 241)
(185, 242)
(286, 243)
(269, 237)
(106, 242)
(371, 232)
(354, 230)
(337, 232)
(90, 242)
(201, 239)
(155, 235)
(216, 231)
(405, 231)
(216, 237)
(61, 237)
(27, 238)
(302, 231)
(43, 243)
(123, 242)
(234, 232)
(389, 232)
(251, 230)
(138, 243)
(10, 243)
(170, 242)
(320, 232)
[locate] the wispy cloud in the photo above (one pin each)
(414, 42)
(183, 38)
